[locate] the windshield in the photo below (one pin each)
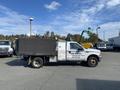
(109, 44)
(101, 45)
(4, 43)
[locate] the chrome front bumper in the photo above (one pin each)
(100, 58)
(5, 53)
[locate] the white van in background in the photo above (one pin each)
(104, 46)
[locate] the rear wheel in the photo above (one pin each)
(92, 61)
(37, 62)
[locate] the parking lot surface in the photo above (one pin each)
(14, 75)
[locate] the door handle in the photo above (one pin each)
(69, 51)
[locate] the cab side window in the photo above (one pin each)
(75, 46)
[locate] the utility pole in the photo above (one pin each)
(31, 19)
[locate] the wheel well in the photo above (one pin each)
(45, 58)
(93, 56)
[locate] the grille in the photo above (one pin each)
(3, 49)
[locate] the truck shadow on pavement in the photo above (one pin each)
(67, 64)
(19, 62)
(4, 57)
(91, 84)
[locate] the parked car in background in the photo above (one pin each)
(101, 46)
(104, 46)
(109, 46)
(6, 48)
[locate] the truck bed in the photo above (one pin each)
(35, 46)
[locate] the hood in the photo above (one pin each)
(92, 50)
(4, 46)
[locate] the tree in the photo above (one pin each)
(92, 37)
(76, 38)
(47, 34)
(69, 37)
(52, 35)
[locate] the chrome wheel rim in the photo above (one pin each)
(93, 61)
(36, 63)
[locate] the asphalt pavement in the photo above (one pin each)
(14, 75)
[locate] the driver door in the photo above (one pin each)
(75, 52)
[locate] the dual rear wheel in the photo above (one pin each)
(37, 62)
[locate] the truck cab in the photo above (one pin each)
(5, 48)
(73, 51)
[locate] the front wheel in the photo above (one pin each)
(37, 62)
(92, 61)
(10, 55)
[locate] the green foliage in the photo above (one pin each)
(81, 39)
(93, 38)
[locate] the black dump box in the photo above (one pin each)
(35, 46)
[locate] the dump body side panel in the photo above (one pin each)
(35, 46)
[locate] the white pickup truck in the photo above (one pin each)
(40, 51)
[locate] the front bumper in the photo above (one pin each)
(5, 53)
(100, 58)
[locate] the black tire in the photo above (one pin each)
(10, 55)
(25, 58)
(92, 61)
(37, 62)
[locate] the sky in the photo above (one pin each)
(60, 16)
